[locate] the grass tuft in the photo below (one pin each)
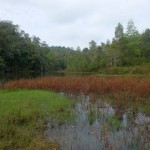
(23, 116)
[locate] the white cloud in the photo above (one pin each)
(74, 22)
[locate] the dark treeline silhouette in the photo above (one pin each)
(20, 52)
(127, 51)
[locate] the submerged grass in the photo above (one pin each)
(114, 122)
(92, 116)
(23, 116)
(145, 107)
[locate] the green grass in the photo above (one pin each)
(24, 115)
(137, 70)
(92, 116)
(145, 107)
(114, 122)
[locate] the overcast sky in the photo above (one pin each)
(73, 23)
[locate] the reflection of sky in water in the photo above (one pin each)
(132, 134)
(142, 119)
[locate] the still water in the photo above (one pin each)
(29, 75)
(99, 126)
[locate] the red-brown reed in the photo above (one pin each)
(140, 87)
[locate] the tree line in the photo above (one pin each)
(20, 52)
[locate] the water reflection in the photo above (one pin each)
(97, 126)
(28, 75)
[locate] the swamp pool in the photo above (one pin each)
(100, 126)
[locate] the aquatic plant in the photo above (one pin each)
(122, 89)
(92, 116)
(114, 122)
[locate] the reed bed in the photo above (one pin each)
(138, 87)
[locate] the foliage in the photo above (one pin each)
(125, 50)
(20, 52)
(122, 89)
(143, 69)
(114, 122)
(145, 107)
(119, 31)
(23, 118)
(92, 116)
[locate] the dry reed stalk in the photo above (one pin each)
(139, 87)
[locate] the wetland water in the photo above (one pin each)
(28, 75)
(99, 126)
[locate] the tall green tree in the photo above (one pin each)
(131, 29)
(119, 31)
(145, 43)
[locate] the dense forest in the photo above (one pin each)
(128, 51)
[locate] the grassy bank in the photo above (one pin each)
(124, 91)
(142, 70)
(23, 116)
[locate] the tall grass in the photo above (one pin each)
(23, 118)
(139, 87)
